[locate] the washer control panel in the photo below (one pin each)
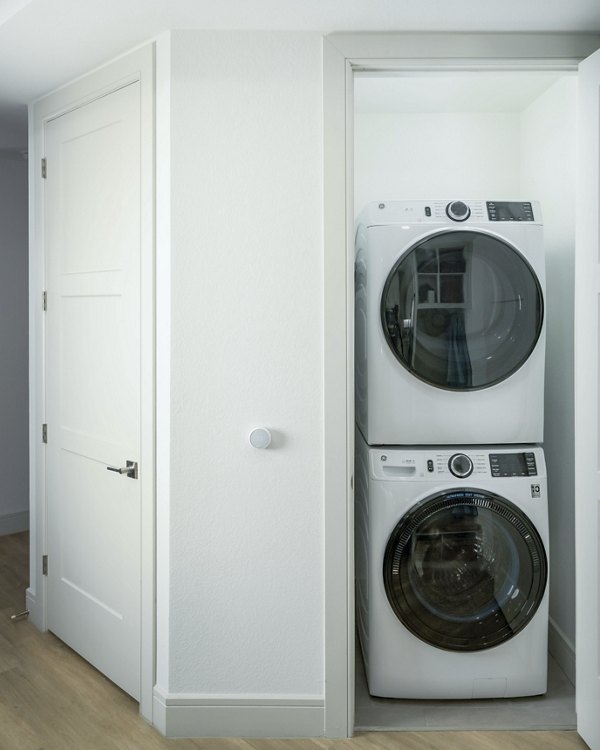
(438, 463)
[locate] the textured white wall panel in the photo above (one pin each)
(246, 538)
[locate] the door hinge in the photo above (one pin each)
(44, 168)
(44, 301)
(44, 565)
(44, 433)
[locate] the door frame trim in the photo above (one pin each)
(343, 54)
(132, 67)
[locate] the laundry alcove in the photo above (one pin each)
(496, 135)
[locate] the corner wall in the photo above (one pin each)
(548, 162)
(245, 543)
(14, 398)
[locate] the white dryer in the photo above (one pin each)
(450, 334)
(451, 570)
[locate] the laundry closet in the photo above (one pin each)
(482, 139)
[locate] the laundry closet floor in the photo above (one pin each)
(555, 710)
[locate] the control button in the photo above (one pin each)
(460, 465)
(427, 211)
(531, 465)
(429, 465)
(458, 211)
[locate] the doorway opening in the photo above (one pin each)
(494, 135)
(60, 347)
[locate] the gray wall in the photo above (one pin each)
(14, 405)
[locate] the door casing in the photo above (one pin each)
(136, 66)
(343, 54)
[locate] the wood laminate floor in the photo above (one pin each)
(50, 699)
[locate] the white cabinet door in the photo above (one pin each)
(587, 423)
(92, 236)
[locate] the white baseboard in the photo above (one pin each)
(35, 614)
(204, 716)
(13, 523)
(562, 649)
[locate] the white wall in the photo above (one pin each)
(548, 162)
(14, 447)
(246, 526)
(435, 155)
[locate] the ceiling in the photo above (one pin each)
(46, 43)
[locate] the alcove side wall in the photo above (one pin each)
(548, 161)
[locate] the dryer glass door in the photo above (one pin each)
(462, 310)
(465, 570)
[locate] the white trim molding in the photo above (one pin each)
(562, 649)
(202, 715)
(32, 608)
(343, 54)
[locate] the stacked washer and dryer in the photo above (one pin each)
(450, 481)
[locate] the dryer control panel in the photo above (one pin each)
(449, 211)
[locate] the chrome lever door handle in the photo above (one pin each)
(130, 470)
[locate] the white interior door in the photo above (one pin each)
(587, 425)
(92, 242)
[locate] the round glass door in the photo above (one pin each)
(465, 570)
(462, 310)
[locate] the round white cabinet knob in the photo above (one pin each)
(260, 438)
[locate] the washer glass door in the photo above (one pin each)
(465, 570)
(462, 310)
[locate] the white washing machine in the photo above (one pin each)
(450, 334)
(451, 570)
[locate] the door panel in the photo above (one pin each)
(587, 460)
(92, 205)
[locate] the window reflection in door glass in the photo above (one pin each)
(462, 310)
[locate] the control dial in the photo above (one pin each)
(460, 465)
(458, 211)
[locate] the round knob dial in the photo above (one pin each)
(460, 465)
(458, 211)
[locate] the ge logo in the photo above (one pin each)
(535, 490)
